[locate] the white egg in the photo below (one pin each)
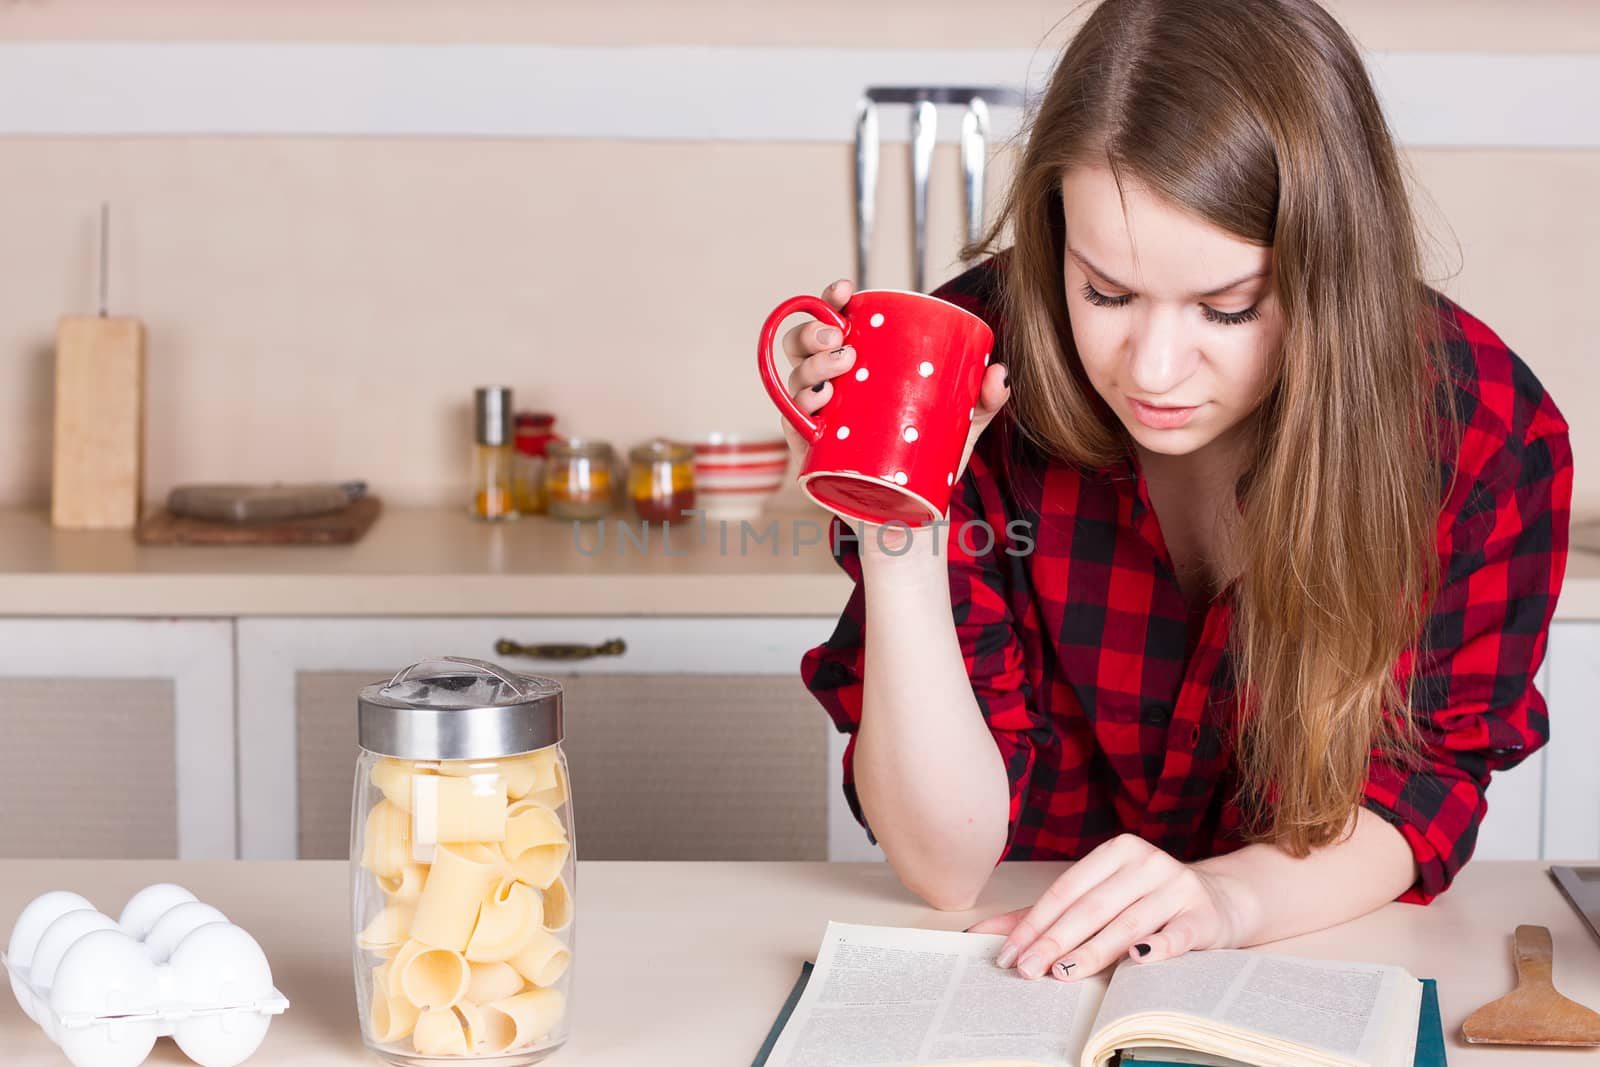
(57, 941)
(106, 972)
(175, 924)
(119, 1043)
(31, 924)
(219, 963)
(40, 913)
(148, 905)
(221, 1040)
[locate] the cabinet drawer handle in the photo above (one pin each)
(507, 647)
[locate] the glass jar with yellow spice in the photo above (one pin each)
(533, 435)
(578, 478)
(661, 480)
(491, 456)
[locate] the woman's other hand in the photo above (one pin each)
(1127, 897)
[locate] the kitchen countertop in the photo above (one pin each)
(689, 963)
(434, 561)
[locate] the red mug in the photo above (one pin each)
(886, 446)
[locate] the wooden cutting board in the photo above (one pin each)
(97, 477)
(331, 528)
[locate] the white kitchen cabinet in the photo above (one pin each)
(118, 738)
(698, 742)
(701, 740)
(1571, 822)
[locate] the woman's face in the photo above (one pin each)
(1168, 312)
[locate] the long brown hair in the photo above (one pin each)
(1258, 117)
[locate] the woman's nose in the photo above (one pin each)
(1161, 356)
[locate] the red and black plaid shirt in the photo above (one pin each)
(1111, 710)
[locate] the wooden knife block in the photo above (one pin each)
(98, 479)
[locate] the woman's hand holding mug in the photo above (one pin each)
(817, 354)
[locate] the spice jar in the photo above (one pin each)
(533, 434)
(491, 455)
(661, 480)
(578, 478)
(463, 865)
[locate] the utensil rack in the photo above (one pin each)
(923, 102)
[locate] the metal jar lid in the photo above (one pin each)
(491, 415)
(456, 708)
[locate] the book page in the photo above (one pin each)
(883, 996)
(1337, 1007)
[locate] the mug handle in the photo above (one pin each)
(766, 359)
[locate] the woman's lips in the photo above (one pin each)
(1161, 418)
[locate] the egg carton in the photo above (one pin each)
(171, 965)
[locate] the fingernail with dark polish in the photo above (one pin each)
(1065, 966)
(818, 387)
(1142, 949)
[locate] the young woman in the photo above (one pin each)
(1294, 522)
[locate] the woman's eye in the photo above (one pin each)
(1222, 318)
(1099, 299)
(1231, 318)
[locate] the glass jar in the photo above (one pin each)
(578, 478)
(661, 480)
(491, 455)
(533, 434)
(463, 866)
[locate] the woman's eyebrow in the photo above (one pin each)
(1084, 261)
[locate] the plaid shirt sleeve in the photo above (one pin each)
(990, 646)
(1503, 548)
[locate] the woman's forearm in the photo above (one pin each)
(1273, 895)
(929, 777)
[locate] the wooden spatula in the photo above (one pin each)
(1533, 1013)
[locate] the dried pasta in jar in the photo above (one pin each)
(464, 859)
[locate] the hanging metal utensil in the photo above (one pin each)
(924, 131)
(974, 159)
(866, 182)
(923, 102)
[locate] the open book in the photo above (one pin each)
(883, 996)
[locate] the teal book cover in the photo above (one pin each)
(1430, 1032)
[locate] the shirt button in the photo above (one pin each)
(1157, 714)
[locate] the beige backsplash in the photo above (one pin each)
(323, 308)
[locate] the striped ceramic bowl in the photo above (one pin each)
(734, 474)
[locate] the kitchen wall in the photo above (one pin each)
(322, 307)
